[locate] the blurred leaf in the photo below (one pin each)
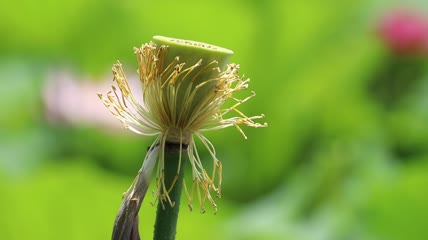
(398, 209)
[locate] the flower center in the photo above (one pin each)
(175, 41)
(178, 136)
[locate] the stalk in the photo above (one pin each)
(190, 53)
(167, 215)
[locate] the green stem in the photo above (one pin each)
(204, 56)
(167, 215)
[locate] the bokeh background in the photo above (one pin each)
(343, 85)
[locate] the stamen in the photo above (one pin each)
(189, 197)
(204, 69)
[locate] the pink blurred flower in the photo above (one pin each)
(405, 32)
(71, 99)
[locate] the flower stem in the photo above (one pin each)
(167, 215)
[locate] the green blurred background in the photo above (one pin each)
(344, 157)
